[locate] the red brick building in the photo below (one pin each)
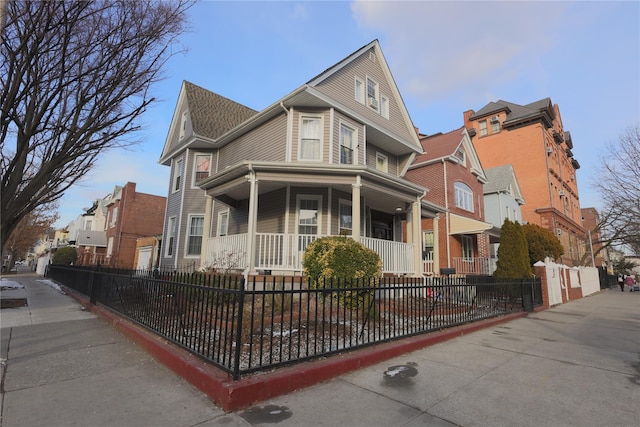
(590, 220)
(131, 215)
(458, 238)
(532, 139)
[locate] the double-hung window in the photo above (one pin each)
(464, 196)
(483, 127)
(177, 174)
(202, 165)
(223, 223)
(310, 138)
(308, 214)
(171, 235)
(347, 145)
(194, 239)
(359, 90)
(346, 218)
(372, 93)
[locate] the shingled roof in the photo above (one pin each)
(515, 112)
(212, 115)
(499, 179)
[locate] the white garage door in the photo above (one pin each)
(144, 256)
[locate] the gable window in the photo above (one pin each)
(223, 223)
(310, 145)
(171, 235)
(183, 125)
(177, 174)
(345, 218)
(372, 94)
(495, 124)
(194, 239)
(346, 144)
(384, 106)
(483, 127)
(359, 90)
(464, 196)
(382, 162)
(201, 169)
(461, 157)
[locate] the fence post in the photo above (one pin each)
(238, 349)
(94, 286)
(526, 288)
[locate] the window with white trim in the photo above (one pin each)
(347, 144)
(309, 214)
(460, 155)
(359, 90)
(495, 124)
(223, 223)
(345, 217)
(183, 125)
(382, 162)
(372, 93)
(464, 196)
(110, 246)
(201, 169)
(427, 241)
(483, 127)
(384, 106)
(171, 236)
(310, 139)
(114, 217)
(178, 168)
(194, 237)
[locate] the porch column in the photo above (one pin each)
(436, 244)
(355, 210)
(416, 226)
(206, 232)
(251, 226)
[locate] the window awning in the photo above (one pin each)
(461, 225)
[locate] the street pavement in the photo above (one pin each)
(577, 364)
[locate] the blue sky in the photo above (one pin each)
(446, 58)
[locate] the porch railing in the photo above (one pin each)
(483, 266)
(283, 252)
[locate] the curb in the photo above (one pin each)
(233, 395)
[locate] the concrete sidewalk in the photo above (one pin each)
(573, 365)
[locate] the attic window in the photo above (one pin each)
(483, 127)
(183, 125)
(359, 90)
(495, 124)
(372, 94)
(461, 157)
(372, 56)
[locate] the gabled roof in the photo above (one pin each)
(517, 113)
(444, 146)
(502, 178)
(211, 114)
(219, 120)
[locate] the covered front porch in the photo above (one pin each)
(277, 253)
(276, 211)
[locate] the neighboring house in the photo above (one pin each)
(130, 215)
(532, 139)
(91, 247)
(590, 221)
(458, 238)
(250, 190)
(502, 200)
(148, 252)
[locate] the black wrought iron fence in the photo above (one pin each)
(247, 327)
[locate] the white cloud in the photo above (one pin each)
(440, 48)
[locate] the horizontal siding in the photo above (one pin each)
(265, 143)
(341, 87)
(371, 159)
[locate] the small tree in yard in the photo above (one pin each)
(65, 256)
(341, 262)
(542, 243)
(513, 253)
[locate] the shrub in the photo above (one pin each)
(542, 243)
(513, 253)
(341, 262)
(65, 256)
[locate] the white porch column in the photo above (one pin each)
(252, 220)
(436, 244)
(355, 210)
(206, 232)
(416, 227)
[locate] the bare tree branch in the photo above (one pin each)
(76, 78)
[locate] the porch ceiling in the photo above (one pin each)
(381, 194)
